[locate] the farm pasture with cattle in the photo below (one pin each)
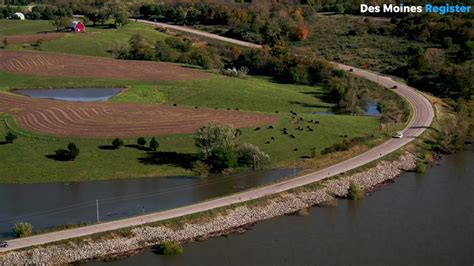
(163, 100)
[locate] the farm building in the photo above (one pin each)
(77, 26)
(19, 16)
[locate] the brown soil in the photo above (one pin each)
(32, 38)
(62, 65)
(109, 120)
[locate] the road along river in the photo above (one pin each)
(422, 117)
(421, 219)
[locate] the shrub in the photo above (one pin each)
(10, 137)
(154, 145)
(117, 143)
(354, 192)
(170, 249)
(251, 155)
(141, 141)
(420, 167)
(200, 168)
(22, 229)
(73, 151)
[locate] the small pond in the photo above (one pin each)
(371, 109)
(73, 95)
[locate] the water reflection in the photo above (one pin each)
(74, 95)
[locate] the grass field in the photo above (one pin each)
(20, 27)
(253, 94)
(26, 160)
(96, 41)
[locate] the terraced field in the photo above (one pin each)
(108, 120)
(62, 65)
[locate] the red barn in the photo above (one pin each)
(77, 26)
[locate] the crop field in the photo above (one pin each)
(31, 38)
(109, 120)
(61, 65)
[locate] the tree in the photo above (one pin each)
(154, 145)
(73, 151)
(251, 155)
(139, 48)
(215, 136)
(117, 143)
(60, 22)
(339, 9)
(141, 141)
(22, 229)
(10, 137)
(222, 158)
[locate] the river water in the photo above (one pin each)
(421, 219)
(47, 205)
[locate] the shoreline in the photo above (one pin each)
(224, 221)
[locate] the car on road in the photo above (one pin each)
(394, 87)
(351, 70)
(398, 135)
(3, 244)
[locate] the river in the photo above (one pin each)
(53, 204)
(421, 219)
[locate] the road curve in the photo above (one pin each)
(200, 33)
(422, 117)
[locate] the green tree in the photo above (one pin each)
(73, 151)
(60, 22)
(154, 145)
(22, 229)
(117, 143)
(141, 141)
(215, 136)
(10, 137)
(223, 158)
(251, 155)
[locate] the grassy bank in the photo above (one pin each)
(97, 41)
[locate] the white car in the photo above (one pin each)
(399, 135)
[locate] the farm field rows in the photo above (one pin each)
(59, 65)
(109, 120)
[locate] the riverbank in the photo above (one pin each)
(217, 222)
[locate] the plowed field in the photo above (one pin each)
(108, 120)
(62, 65)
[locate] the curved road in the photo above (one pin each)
(422, 116)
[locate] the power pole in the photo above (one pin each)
(97, 208)
(294, 167)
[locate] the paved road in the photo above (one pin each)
(422, 116)
(201, 33)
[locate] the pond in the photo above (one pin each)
(73, 95)
(47, 205)
(371, 109)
